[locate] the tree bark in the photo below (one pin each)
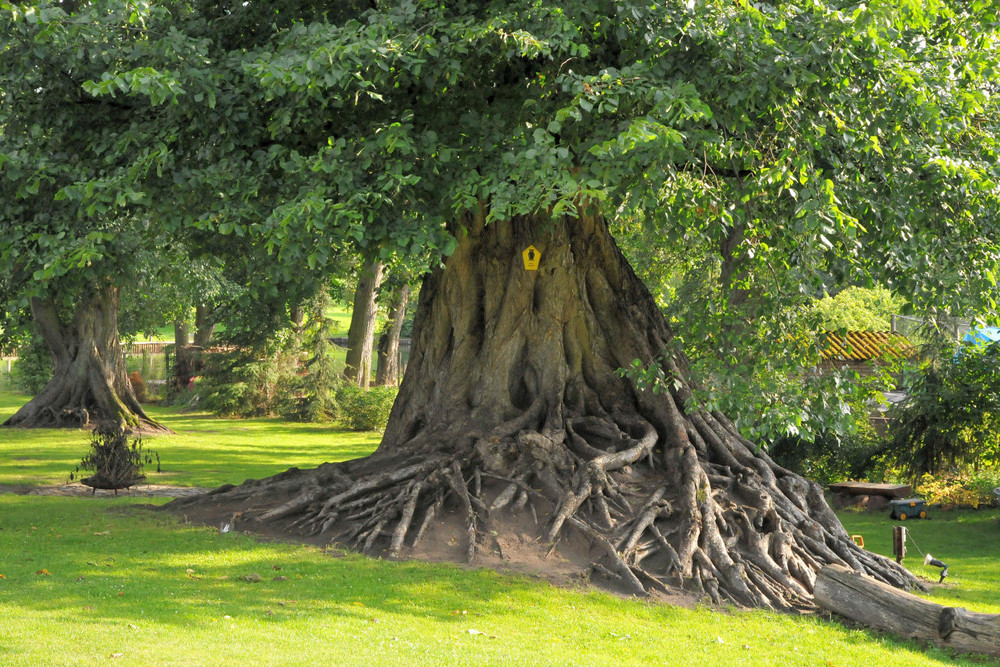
(89, 384)
(183, 356)
(513, 405)
(387, 366)
(361, 335)
(879, 606)
(204, 325)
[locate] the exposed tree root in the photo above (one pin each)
(750, 538)
(89, 384)
(512, 413)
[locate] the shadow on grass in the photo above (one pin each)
(76, 568)
(108, 560)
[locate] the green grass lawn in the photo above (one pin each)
(96, 580)
(206, 451)
(967, 541)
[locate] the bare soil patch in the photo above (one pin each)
(79, 490)
(514, 544)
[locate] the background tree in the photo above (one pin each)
(75, 217)
(387, 367)
(949, 419)
(361, 335)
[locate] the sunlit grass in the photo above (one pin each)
(968, 541)
(205, 451)
(88, 579)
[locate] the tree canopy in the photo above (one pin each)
(818, 140)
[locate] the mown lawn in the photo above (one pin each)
(98, 580)
(206, 451)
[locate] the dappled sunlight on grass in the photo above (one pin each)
(86, 579)
(204, 451)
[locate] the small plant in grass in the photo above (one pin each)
(116, 462)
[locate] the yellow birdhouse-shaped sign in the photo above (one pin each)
(531, 257)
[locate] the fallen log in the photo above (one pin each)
(878, 605)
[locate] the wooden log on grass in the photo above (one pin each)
(878, 605)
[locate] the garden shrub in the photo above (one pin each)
(830, 458)
(245, 383)
(313, 390)
(972, 489)
(366, 410)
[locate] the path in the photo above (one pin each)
(77, 489)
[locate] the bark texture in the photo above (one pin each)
(879, 606)
(361, 335)
(387, 369)
(183, 357)
(89, 382)
(512, 407)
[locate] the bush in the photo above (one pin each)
(313, 390)
(829, 458)
(970, 490)
(115, 462)
(33, 368)
(244, 384)
(366, 410)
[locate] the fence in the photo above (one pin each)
(152, 360)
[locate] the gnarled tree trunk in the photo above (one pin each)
(89, 383)
(361, 335)
(513, 413)
(387, 367)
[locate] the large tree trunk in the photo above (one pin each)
(361, 335)
(387, 366)
(513, 413)
(89, 383)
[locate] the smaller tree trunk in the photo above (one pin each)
(89, 382)
(388, 367)
(204, 325)
(361, 335)
(298, 316)
(183, 362)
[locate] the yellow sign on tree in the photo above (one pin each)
(532, 257)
